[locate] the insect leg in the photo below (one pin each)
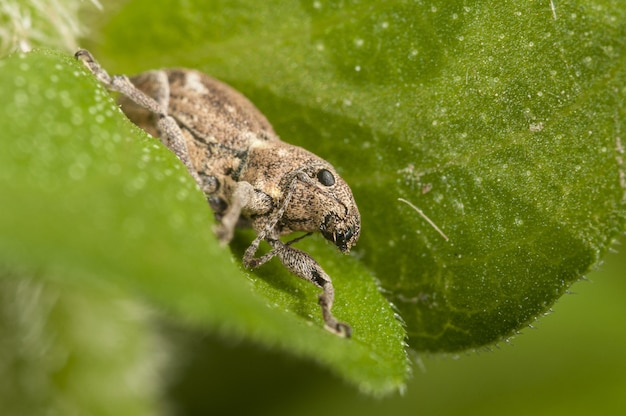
(303, 265)
(166, 124)
(269, 229)
(243, 196)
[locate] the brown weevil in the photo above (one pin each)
(250, 177)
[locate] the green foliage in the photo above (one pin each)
(73, 349)
(25, 24)
(92, 198)
(500, 121)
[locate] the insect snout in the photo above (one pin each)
(343, 239)
(340, 232)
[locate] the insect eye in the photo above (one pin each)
(325, 177)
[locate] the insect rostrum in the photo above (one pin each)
(251, 177)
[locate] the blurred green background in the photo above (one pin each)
(572, 362)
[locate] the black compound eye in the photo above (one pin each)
(325, 177)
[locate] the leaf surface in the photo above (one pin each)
(501, 121)
(89, 198)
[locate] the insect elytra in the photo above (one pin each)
(250, 177)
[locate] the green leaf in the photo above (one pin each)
(500, 120)
(89, 199)
(75, 349)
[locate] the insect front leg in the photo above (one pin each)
(296, 261)
(167, 126)
(303, 265)
(268, 231)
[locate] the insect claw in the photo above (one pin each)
(340, 329)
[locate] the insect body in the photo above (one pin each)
(251, 178)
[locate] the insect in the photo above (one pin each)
(250, 177)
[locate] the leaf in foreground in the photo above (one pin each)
(88, 197)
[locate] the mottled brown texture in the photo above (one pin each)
(250, 176)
